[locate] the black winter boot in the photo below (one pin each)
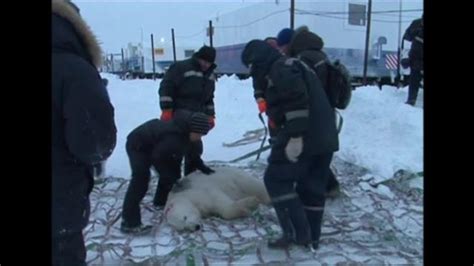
(135, 230)
(292, 215)
(315, 217)
(288, 232)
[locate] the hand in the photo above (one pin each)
(205, 169)
(166, 115)
(405, 62)
(294, 148)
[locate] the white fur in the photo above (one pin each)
(228, 193)
(63, 9)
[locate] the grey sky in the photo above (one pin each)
(116, 23)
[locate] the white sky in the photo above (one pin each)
(116, 23)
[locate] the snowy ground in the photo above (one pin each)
(377, 220)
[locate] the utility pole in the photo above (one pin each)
(211, 32)
(292, 15)
(153, 55)
(367, 38)
(174, 45)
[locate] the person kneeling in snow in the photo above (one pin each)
(162, 145)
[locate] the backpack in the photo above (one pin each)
(339, 84)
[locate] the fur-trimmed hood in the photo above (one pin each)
(81, 38)
(303, 39)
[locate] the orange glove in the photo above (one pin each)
(212, 122)
(166, 115)
(262, 106)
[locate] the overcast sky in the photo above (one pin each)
(116, 23)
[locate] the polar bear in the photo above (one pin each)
(228, 193)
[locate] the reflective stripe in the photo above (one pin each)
(212, 77)
(419, 39)
(290, 61)
(192, 73)
(320, 63)
(256, 92)
(313, 208)
(210, 107)
(307, 67)
(296, 114)
(284, 197)
(166, 99)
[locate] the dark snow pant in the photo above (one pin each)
(192, 157)
(280, 180)
(70, 214)
(332, 181)
(69, 250)
(166, 159)
(311, 188)
(414, 85)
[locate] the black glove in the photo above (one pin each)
(205, 169)
(405, 62)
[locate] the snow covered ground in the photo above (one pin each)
(376, 220)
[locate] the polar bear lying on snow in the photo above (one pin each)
(228, 193)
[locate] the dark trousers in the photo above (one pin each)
(280, 180)
(312, 186)
(414, 85)
(70, 210)
(192, 158)
(332, 181)
(69, 250)
(166, 163)
(311, 190)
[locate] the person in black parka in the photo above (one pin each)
(307, 46)
(414, 34)
(189, 85)
(83, 129)
(306, 138)
(162, 145)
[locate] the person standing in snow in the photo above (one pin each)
(161, 144)
(306, 139)
(307, 46)
(83, 129)
(189, 85)
(414, 34)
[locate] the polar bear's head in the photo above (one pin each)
(183, 215)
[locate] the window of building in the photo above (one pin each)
(357, 14)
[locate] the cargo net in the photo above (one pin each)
(368, 223)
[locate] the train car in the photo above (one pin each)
(341, 23)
